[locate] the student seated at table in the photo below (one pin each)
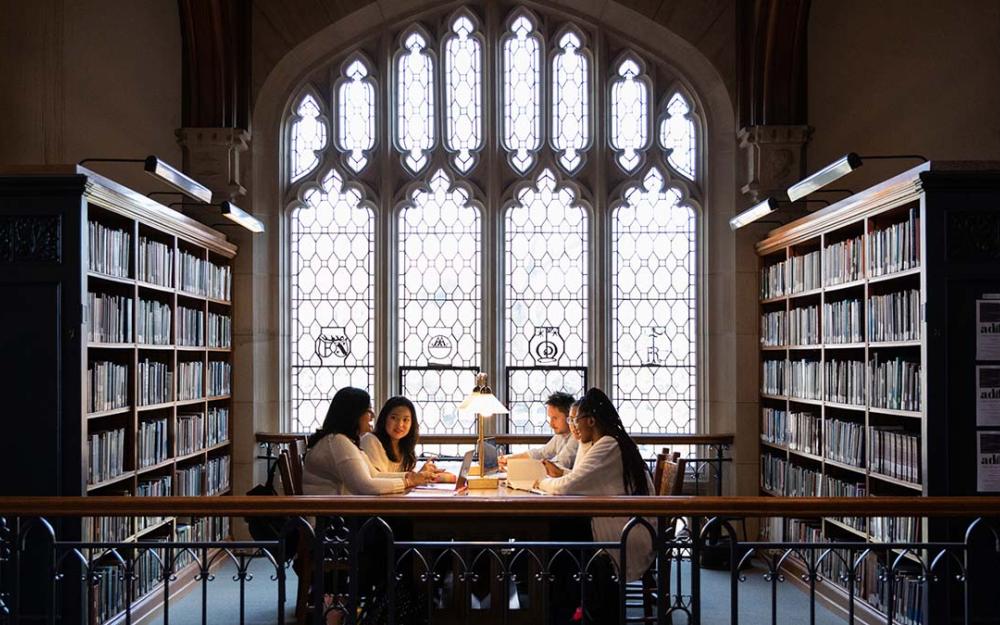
(557, 409)
(335, 464)
(392, 446)
(568, 457)
(612, 466)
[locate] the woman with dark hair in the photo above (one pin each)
(611, 466)
(335, 464)
(392, 446)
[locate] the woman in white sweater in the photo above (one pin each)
(612, 466)
(391, 447)
(335, 465)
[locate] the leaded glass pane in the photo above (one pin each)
(629, 114)
(527, 388)
(356, 132)
(522, 92)
(332, 293)
(309, 135)
(436, 393)
(415, 101)
(654, 309)
(463, 69)
(570, 101)
(677, 135)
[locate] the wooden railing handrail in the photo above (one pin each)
(527, 505)
(283, 438)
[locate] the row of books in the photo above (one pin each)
(113, 591)
(107, 386)
(190, 327)
(805, 272)
(774, 425)
(218, 475)
(157, 487)
(895, 383)
(155, 383)
(842, 321)
(219, 373)
(907, 596)
(895, 248)
(773, 281)
(804, 430)
(110, 318)
(190, 481)
(190, 433)
(109, 250)
(835, 487)
(842, 262)
(152, 442)
(105, 529)
(190, 380)
(220, 330)
(845, 442)
(772, 377)
(202, 277)
(153, 323)
(803, 325)
(772, 329)
(155, 262)
(844, 381)
(107, 455)
(894, 316)
(889, 529)
(894, 453)
(218, 425)
(804, 379)
(789, 479)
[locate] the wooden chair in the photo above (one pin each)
(302, 564)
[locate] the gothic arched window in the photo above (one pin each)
(512, 191)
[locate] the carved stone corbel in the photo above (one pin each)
(212, 157)
(773, 158)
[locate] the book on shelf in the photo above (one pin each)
(217, 475)
(773, 280)
(218, 425)
(804, 379)
(842, 321)
(895, 247)
(772, 329)
(894, 316)
(107, 455)
(894, 382)
(805, 272)
(190, 481)
(842, 262)
(153, 323)
(220, 280)
(192, 273)
(220, 330)
(894, 453)
(774, 425)
(219, 373)
(109, 319)
(190, 327)
(803, 325)
(772, 379)
(107, 386)
(190, 380)
(190, 432)
(110, 249)
(155, 262)
(152, 442)
(804, 432)
(844, 381)
(844, 442)
(155, 383)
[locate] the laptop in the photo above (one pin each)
(461, 484)
(522, 473)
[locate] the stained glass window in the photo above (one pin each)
(356, 104)
(629, 113)
(654, 308)
(309, 135)
(570, 101)
(546, 297)
(677, 134)
(463, 76)
(332, 298)
(415, 101)
(522, 92)
(439, 297)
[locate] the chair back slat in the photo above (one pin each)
(672, 475)
(285, 473)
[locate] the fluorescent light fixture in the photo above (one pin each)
(177, 179)
(834, 171)
(241, 217)
(768, 206)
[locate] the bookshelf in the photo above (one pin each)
(866, 333)
(120, 348)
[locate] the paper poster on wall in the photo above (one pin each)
(987, 329)
(987, 396)
(988, 457)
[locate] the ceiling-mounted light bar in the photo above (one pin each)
(174, 177)
(834, 171)
(240, 216)
(753, 213)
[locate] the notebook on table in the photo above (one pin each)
(522, 473)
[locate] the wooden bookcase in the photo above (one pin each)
(953, 216)
(77, 303)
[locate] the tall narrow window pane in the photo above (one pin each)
(546, 300)
(463, 75)
(653, 309)
(356, 132)
(439, 303)
(415, 98)
(570, 101)
(309, 135)
(332, 292)
(677, 134)
(629, 114)
(522, 93)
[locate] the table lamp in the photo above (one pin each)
(484, 404)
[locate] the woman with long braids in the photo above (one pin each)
(335, 464)
(612, 466)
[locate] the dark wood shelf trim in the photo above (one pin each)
(847, 467)
(891, 480)
(110, 278)
(127, 475)
(191, 456)
(843, 345)
(154, 287)
(780, 446)
(910, 414)
(99, 345)
(191, 348)
(846, 528)
(894, 344)
(895, 275)
(803, 400)
(809, 293)
(853, 284)
(221, 302)
(189, 402)
(149, 407)
(156, 467)
(109, 413)
(840, 406)
(169, 347)
(805, 454)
